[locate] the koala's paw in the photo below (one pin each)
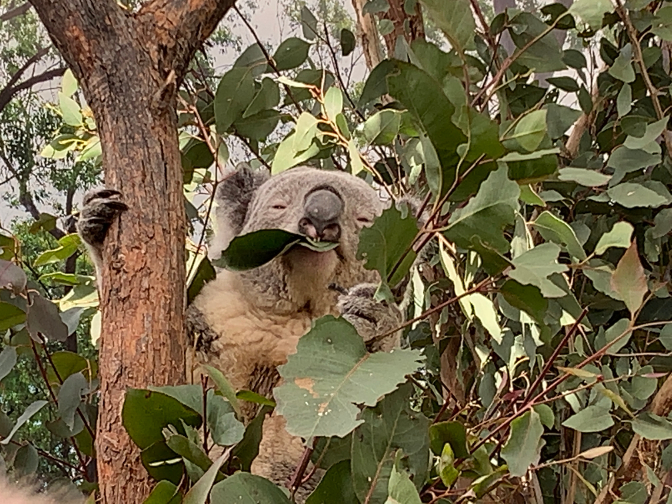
(100, 208)
(371, 318)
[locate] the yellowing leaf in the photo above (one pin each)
(629, 279)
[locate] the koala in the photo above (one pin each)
(246, 323)
(23, 492)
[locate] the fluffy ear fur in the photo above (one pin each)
(234, 195)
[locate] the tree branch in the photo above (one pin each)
(179, 27)
(9, 92)
(15, 12)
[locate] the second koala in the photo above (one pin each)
(247, 323)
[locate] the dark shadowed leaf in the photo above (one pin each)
(523, 448)
(145, 413)
(234, 94)
(11, 277)
(348, 42)
(479, 224)
(43, 318)
(308, 24)
(255, 249)
(25, 461)
(453, 433)
(164, 492)
(525, 297)
(335, 486)
(384, 243)
(388, 427)
(291, 53)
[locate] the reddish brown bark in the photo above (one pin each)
(129, 66)
(409, 26)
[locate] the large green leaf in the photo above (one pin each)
(455, 20)
(145, 413)
(390, 426)
(632, 195)
(330, 373)
(479, 224)
(591, 419)
(234, 94)
(291, 53)
(335, 486)
(545, 54)
(67, 246)
(255, 249)
(384, 243)
(531, 130)
(432, 109)
(523, 448)
(591, 11)
(558, 231)
(536, 265)
(245, 488)
(651, 426)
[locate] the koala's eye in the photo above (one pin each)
(364, 220)
(279, 206)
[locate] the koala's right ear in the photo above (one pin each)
(233, 197)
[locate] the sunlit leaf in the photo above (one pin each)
(629, 279)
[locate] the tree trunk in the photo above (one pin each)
(409, 26)
(368, 35)
(129, 67)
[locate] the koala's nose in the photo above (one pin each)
(321, 212)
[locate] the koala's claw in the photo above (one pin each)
(371, 318)
(100, 208)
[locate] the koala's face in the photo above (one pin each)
(324, 205)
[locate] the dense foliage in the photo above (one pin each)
(539, 333)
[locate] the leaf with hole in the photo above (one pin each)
(330, 373)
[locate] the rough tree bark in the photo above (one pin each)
(129, 66)
(410, 26)
(368, 35)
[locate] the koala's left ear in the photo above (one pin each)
(233, 198)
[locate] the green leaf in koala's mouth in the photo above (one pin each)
(255, 249)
